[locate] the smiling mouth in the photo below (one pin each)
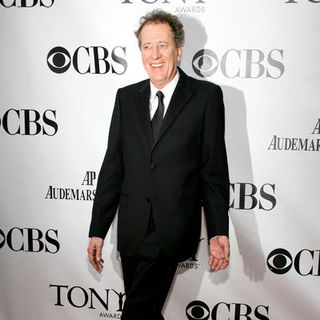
(157, 65)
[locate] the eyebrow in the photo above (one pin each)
(150, 43)
(160, 41)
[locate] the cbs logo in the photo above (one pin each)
(93, 60)
(29, 122)
(26, 3)
(247, 196)
(30, 240)
(234, 63)
(198, 310)
(305, 262)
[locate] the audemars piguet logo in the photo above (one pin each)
(311, 143)
(85, 193)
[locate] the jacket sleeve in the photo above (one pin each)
(110, 179)
(214, 167)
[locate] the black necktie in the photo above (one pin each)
(158, 116)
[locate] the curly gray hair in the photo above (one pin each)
(160, 16)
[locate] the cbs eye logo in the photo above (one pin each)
(59, 60)
(197, 310)
(3, 239)
(279, 261)
(205, 63)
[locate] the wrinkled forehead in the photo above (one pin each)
(156, 30)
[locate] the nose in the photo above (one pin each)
(156, 52)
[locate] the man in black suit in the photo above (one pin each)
(166, 159)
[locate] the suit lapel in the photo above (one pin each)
(142, 101)
(180, 97)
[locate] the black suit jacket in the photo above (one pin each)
(185, 168)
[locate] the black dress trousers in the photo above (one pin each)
(147, 278)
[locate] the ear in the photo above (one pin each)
(179, 53)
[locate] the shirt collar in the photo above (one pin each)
(167, 90)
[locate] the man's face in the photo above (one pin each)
(159, 53)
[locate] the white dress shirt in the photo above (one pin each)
(167, 92)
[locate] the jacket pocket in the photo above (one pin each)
(190, 130)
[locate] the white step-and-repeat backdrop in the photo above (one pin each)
(61, 63)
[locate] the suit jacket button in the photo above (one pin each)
(148, 199)
(152, 166)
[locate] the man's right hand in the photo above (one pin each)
(94, 253)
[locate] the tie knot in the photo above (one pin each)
(160, 95)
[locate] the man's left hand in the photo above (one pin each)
(219, 253)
